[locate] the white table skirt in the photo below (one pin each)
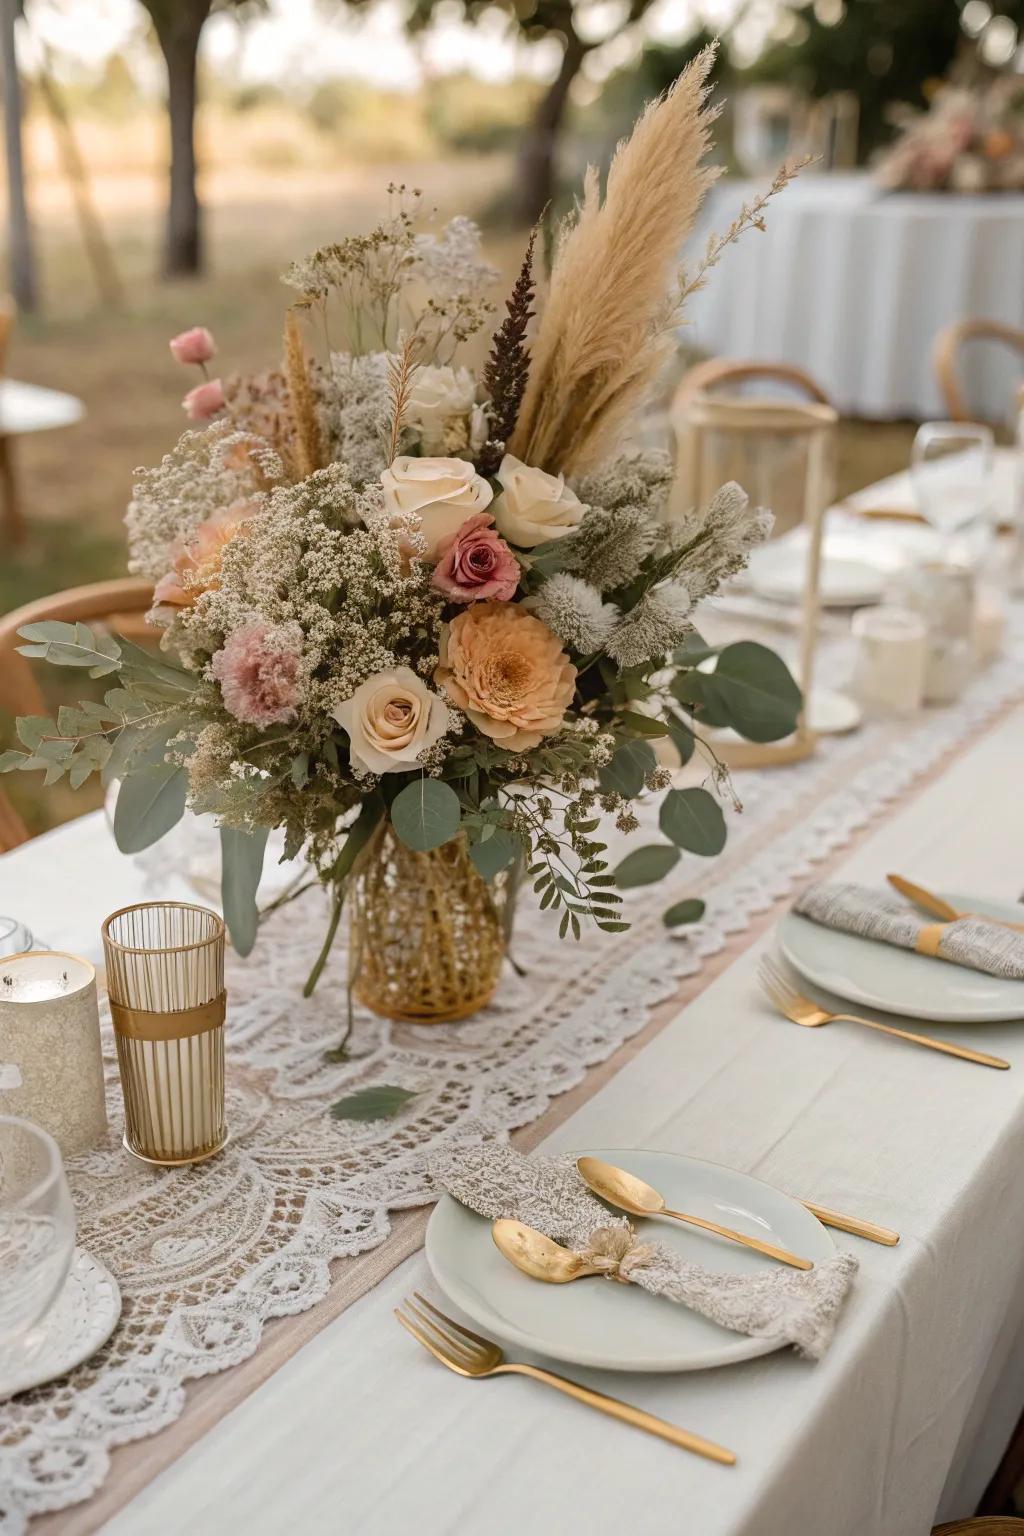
(853, 285)
(362, 1432)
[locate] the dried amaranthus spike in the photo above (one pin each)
(508, 365)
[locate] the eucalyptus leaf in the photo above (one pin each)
(492, 854)
(149, 804)
(755, 690)
(380, 1102)
(689, 911)
(645, 866)
(426, 814)
(629, 766)
(11, 759)
(692, 819)
(241, 865)
(682, 739)
(642, 725)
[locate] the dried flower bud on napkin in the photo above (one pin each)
(871, 914)
(793, 1306)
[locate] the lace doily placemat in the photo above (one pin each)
(206, 1256)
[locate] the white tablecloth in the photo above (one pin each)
(904, 1419)
(853, 284)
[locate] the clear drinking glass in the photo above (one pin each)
(952, 468)
(37, 1237)
(15, 938)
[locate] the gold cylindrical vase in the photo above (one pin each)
(165, 979)
(427, 933)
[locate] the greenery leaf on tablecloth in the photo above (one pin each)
(379, 1102)
(691, 910)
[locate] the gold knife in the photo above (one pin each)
(936, 907)
(866, 1229)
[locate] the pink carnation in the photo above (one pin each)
(475, 563)
(204, 401)
(194, 346)
(258, 672)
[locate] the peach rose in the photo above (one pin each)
(390, 720)
(507, 672)
(441, 492)
(197, 563)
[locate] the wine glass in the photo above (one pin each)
(952, 469)
(15, 938)
(37, 1237)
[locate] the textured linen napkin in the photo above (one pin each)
(788, 1305)
(970, 941)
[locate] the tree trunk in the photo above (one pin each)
(22, 259)
(177, 31)
(540, 146)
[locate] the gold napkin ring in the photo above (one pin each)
(929, 939)
(147, 1024)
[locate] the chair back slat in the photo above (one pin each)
(946, 354)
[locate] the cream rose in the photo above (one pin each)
(441, 401)
(534, 507)
(442, 493)
(390, 720)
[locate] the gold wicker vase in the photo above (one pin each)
(426, 933)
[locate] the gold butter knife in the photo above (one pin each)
(935, 906)
(853, 1224)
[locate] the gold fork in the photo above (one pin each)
(468, 1354)
(802, 1010)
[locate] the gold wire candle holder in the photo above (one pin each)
(165, 980)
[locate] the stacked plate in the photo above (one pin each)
(890, 980)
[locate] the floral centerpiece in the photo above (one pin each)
(433, 623)
(971, 139)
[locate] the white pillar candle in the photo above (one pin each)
(892, 654)
(51, 1065)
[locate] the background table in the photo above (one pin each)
(27, 408)
(853, 284)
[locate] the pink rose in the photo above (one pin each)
(475, 563)
(258, 672)
(204, 401)
(194, 346)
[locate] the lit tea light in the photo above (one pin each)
(51, 1064)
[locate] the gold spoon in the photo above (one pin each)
(538, 1256)
(628, 1193)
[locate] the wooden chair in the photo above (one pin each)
(985, 1525)
(116, 606)
(11, 522)
(946, 350)
(714, 372)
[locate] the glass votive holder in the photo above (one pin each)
(945, 595)
(51, 1063)
(165, 979)
(890, 660)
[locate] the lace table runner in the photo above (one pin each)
(205, 1256)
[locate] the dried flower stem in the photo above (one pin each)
(508, 366)
(750, 216)
(306, 448)
(400, 372)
